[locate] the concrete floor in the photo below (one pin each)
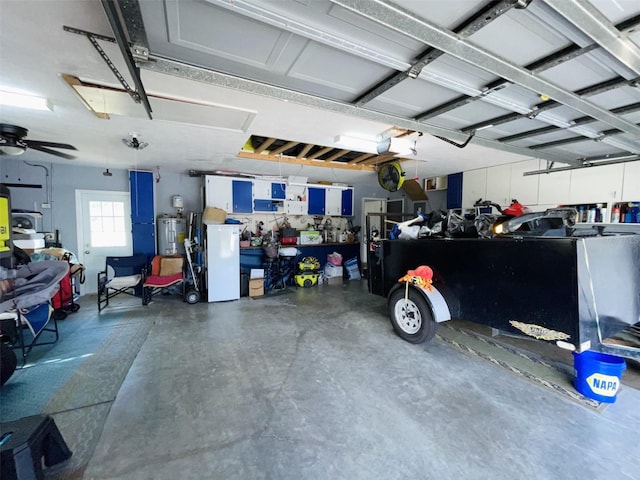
(314, 384)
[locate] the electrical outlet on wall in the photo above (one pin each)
(46, 205)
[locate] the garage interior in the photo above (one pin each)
(498, 100)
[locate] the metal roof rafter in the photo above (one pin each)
(546, 63)
(634, 107)
(401, 20)
(589, 20)
(549, 104)
(468, 27)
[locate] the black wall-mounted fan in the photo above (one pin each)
(13, 142)
(390, 176)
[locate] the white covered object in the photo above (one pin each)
(29, 244)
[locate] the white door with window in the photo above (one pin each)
(104, 229)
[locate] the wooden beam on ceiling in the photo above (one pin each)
(378, 159)
(335, 156)
(362, 157)
(283, 148)
(264, 145)
(319, 153)
(305, 150)
(305, 161)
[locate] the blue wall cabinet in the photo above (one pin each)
(264, 205)
(144, 239)
(141, 189)
(242, 191)
(347, 202)
(143, 217)
(317, 200)
(278, 191)
(454, 190)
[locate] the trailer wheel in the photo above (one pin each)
(412, 319)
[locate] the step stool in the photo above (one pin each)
(24, 442)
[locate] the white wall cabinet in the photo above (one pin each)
(524, 189)
(219, 192)
(262, 189)
(631, 182)
(607, 184)
(295, 207)
(474, 187)
(554, 188)
(596, 184)
(499, 185)
(333, 202)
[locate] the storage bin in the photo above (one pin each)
(332, 270)
(251, 258)
(310, 237)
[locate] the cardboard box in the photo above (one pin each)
(256, 287)
(333, 280)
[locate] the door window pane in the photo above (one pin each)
(107, 224)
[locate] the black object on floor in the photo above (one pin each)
(23, 444)
(8, 362)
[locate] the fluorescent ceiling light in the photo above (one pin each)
(24, 101)
(356, 144)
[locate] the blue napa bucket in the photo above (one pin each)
(598, 375)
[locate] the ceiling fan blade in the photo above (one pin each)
(52, 152)
(40, 143)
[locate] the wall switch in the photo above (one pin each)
(46, 205)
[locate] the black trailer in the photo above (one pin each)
(575, 292)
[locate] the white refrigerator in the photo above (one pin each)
(223, 262)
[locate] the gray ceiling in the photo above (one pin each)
(552, 79)
(555, 79)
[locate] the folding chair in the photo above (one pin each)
(165, 272)
(121, 275)
(36, 320)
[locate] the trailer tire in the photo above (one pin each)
(412, 321)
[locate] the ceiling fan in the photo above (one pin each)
(13, 142)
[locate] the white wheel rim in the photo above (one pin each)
(407, 316)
